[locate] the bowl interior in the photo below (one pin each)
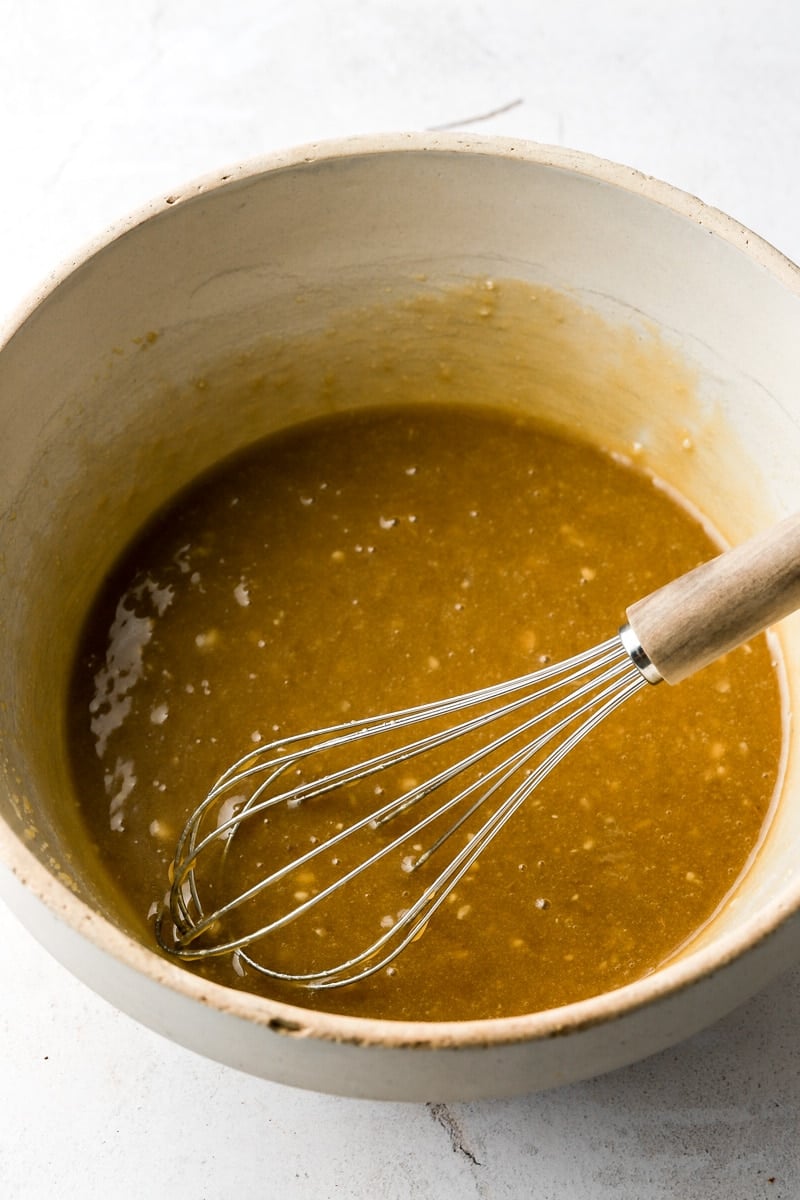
(653, 326)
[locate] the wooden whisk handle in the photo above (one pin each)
(717, 606)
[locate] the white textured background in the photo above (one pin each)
(104, 105)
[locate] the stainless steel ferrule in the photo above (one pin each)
(638, 656)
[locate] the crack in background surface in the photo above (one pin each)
(442, 1115)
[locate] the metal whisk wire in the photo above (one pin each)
(600, 679)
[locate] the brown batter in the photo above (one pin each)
(371, 560)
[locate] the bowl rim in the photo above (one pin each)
(605, 1008)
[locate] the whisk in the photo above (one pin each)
(514, 734)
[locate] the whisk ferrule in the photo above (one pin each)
(638, 655)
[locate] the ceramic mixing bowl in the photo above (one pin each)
(108, 405)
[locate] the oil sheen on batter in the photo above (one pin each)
(370, 560)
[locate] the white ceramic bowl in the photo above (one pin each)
(101, 422)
